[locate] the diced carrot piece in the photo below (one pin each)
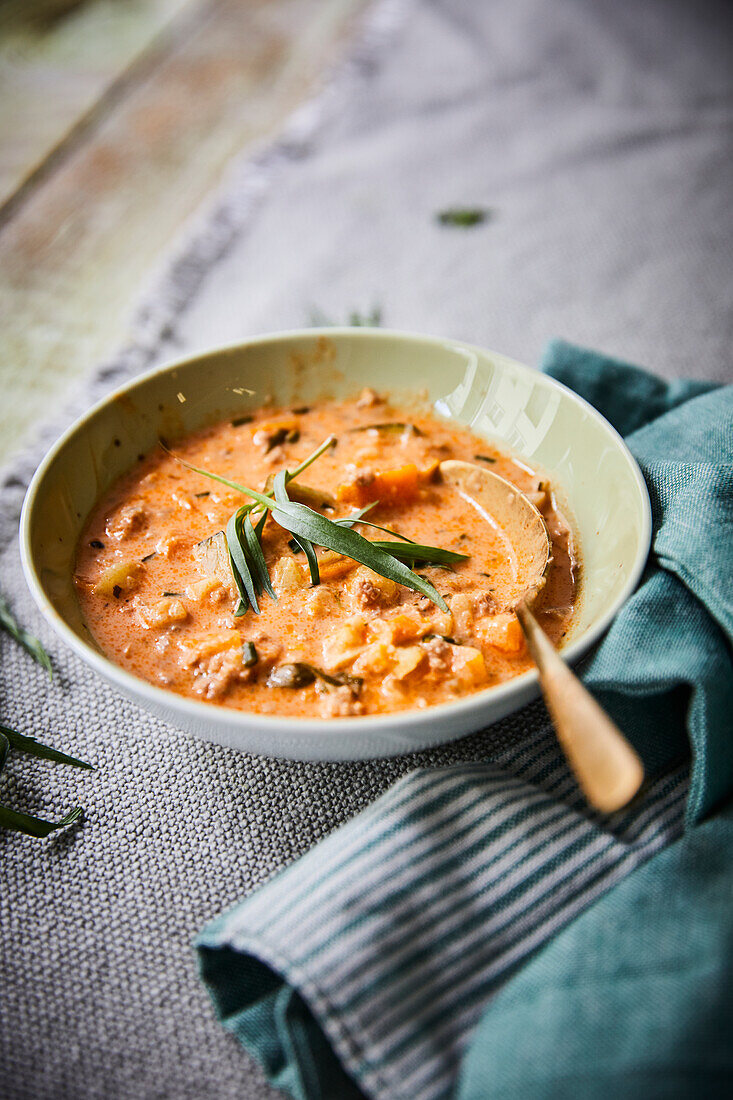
(287, 423)
(333, 565)
(399, 484)
(502, 632)
(272, 432)
(353, 492)
(392, 486)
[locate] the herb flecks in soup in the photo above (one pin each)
(363, 584)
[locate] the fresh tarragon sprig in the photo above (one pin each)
(27, 823)
(310, 529)
(30, 643)
(15, 819)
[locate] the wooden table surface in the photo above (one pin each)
(117, 119)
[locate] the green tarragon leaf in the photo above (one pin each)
(16, 819)
(416, 552)
(29, 642)
(31, 747)
(463, 217)
(305, 523)
(281, 495)
(35, 826)
(310, 529)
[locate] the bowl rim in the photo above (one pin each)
(330, 729)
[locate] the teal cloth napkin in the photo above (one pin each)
(367, 966)
(634, 999)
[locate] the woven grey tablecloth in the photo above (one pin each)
(596, 133)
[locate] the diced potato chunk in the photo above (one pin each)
(209, 586)
(408, 660)
(441, 623)
(398, 484)
(320, 603)
(345, 644)
(213, 558)
(375, 659)
(164, 612)
(367, 589)
(406, 626)
(197, 649)
(123, 577)
(501, 631)
(461, 607)
(468, 664)
(288, 576)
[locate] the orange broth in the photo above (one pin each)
(156, 605)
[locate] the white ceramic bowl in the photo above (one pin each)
(535, 417)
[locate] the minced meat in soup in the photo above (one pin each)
(157, 591)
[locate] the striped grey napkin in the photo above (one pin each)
(396, 929)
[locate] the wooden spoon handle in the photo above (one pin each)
(607, 767)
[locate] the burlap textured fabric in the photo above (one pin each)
(573, 131)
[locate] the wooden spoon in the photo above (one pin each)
(607, 767)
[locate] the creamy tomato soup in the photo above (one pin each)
(155, 584)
